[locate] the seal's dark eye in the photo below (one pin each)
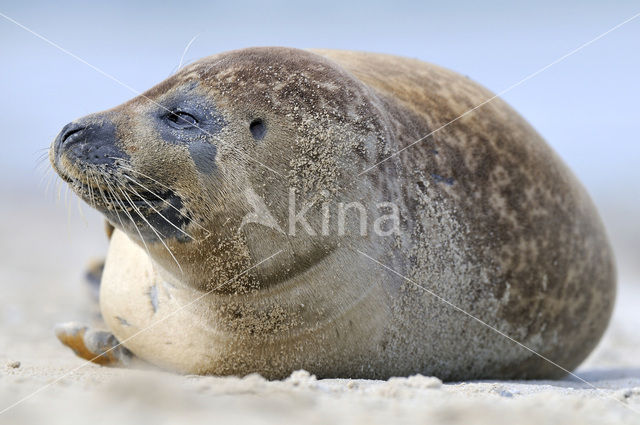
(258, 129)
(181, 120)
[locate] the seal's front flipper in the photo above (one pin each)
(100, 347)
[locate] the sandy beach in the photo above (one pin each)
(43, 253)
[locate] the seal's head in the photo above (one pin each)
(173, 167)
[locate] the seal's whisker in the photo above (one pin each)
(155, 194)
(90, 190)
(59, 189)
(46, 178)
(67, 202)
(157, 233)
(41, 161)
(45, 174)
(67, 199)
(120, 202)
(42, 156)
(159, 213)
(124, 209)
(137, 210)
(160, 237)
(112, 195)
(52, 178)
(165, 201)
(43, 152)
(106, 202)
(144, 175)
(79, 205)
(186, 49)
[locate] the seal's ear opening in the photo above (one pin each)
(258, 129)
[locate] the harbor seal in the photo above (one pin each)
(238, 188)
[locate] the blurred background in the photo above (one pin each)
(587, 106)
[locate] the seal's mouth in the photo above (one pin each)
(136, 206)
(118, 192)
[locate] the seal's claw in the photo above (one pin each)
(99, 347)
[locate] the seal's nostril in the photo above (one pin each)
(69, 130)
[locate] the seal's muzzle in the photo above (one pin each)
(88, 143)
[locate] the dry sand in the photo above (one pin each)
(41, 262)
